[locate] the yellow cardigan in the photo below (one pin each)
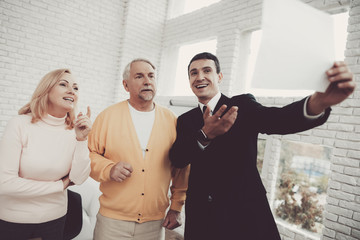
(144, 196)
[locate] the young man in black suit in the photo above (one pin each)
(226, 198)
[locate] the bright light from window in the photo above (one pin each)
(187, 52)
(340, 35)
(192, 5)
(179, 7)
(254, 50)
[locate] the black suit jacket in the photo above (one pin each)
(226, 198)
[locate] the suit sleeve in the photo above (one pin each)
(185, 146)
(280, 120)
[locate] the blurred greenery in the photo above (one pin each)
(298, 192)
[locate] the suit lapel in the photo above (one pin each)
(198, 118)
(223, 100)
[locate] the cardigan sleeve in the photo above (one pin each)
(11, 183)
(179, 186)
(100, 166)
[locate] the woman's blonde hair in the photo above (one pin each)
(38, 105)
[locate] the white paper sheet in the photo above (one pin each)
(296, 48)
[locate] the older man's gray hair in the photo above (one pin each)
(126, 73)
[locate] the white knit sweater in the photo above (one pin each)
(33, 159)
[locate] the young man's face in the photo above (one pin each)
(204, 81)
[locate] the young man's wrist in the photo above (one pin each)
(202, 137)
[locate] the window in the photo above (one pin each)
(186, 52)
(340, 33)
(191, 5)
(179, 7)
(261, 144)
(302, 183)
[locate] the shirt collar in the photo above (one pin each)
(54, 121)
(212, 103)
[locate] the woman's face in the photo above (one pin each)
(63, 96)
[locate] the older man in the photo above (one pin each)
(129, 145)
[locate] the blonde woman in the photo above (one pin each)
(43, 150)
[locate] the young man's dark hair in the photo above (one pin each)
(206, 55)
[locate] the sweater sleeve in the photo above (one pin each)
(100, 166)
(178, 187)
(11, 183)
(80, 166)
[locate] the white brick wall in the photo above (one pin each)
(96, 39)
(38, 36)
(142, 35)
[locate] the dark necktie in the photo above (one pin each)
(204, 108)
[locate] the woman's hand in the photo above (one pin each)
(67, 182)
(83, 125)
